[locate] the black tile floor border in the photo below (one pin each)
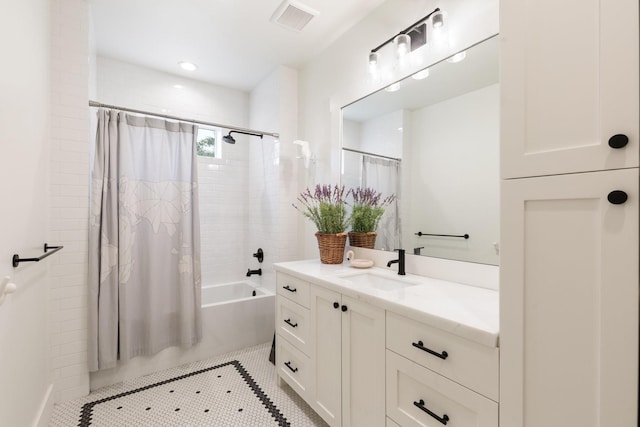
(87, 409)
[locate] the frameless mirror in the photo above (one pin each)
(434, 143)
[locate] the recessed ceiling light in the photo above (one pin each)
(421, 74)
(393, 87)
(189, 66)
(457, 57)
(178, 86)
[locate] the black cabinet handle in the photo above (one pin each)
(444, 419)
(344, 308)
(288, 322)
(617, 197)
(618, 141)
(421, 346)
(288, 365)
(290, 289)
(336, 305)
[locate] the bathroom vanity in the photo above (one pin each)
(366, 347)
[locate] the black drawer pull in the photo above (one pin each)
(336, 305)
(288, 322)
(421, 346)
(290, 289)
(344, 308)
(294, 370)
(444, 419)
(617, 197)
(618, 141)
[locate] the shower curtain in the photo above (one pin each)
(384, 176)
(144, 239)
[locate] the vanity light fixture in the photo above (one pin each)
(188, 66)
(409, 39)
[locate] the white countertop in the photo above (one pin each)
(466, 311)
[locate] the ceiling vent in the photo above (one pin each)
(293, 15)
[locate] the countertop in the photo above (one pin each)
(466, 311)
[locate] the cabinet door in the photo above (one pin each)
(325, 340)
(569, 81)
(363, 364)
(569, 301)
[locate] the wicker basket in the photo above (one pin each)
(331, 247)
(362, 240)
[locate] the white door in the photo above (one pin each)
(569, 300)
(569, 82)
(326, 343)
(363, 364)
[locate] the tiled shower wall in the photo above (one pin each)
(68, 193)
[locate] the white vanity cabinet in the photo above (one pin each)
(434, 377)
(338, 363)
(569, 301)
(568, 84)
(569, 75)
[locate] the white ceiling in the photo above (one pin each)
(233, 42)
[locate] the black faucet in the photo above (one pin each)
(258, 272)
(416, 251)
(400, 262)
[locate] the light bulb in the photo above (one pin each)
(437, 19)
(403, 44)
(374, 57)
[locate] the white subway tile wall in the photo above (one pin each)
(69, 202)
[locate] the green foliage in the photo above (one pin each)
(206, 147)
(365, 218)
(325, 207)
(368, 208)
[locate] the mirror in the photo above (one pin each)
(434, 142)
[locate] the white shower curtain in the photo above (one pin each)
(144, 239)
(383, 175)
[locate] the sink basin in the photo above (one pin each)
(379, 281)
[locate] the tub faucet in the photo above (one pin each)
(399, 261)
(250, 272)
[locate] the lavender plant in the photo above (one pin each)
(326, 207)
(368, 207)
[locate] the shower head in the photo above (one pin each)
(231, 140)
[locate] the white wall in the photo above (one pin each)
(455, 177)
(339, 75)
(272, 170)
(25, 371)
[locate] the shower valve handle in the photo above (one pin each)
(259, 254)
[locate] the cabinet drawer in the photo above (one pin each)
(292, 323)
(293, 366)
(293, 288)
(413, 391)
(466, 362)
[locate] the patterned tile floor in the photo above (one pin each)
(235, 389)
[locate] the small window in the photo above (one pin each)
(207, 142)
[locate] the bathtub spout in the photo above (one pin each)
(258, 272)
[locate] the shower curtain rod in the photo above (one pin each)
(180, 119)
(371, 154)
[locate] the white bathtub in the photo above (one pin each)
(232, 318)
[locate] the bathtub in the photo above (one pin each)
(234, 316)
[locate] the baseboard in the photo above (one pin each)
(44, 412)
